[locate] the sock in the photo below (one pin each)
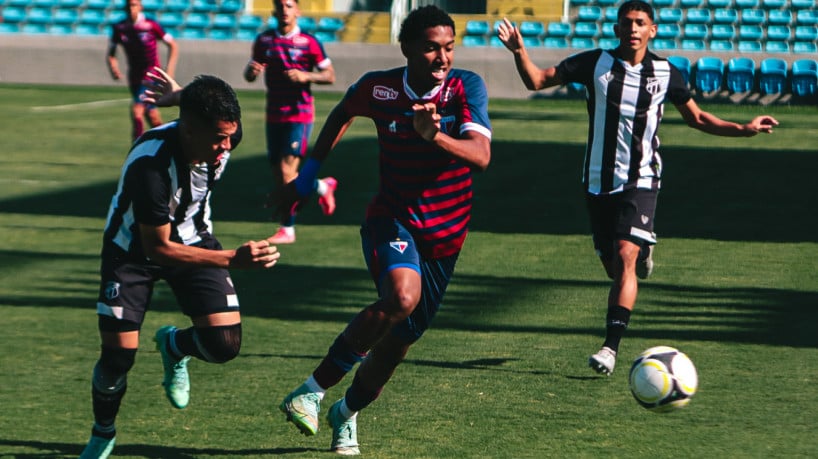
(321, 187)
(344, 410)
(616, 323)
(337, 363)
(103, 431)
(289, 230)
(313, 386)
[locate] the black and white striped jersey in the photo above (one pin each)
(158, 186)
(625, 106)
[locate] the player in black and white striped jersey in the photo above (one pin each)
(626, 90)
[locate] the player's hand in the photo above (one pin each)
(510, 36)
(115, 73)
(426, 120)
(763, 123)
(255, 254)
(297, 76)
(162, 90)
(253, 70)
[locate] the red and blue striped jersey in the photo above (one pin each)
(422, 186)
(287, 101)
(139, 39)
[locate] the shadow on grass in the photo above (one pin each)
(55, 450)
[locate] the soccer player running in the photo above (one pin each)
(291, 61)
(626, 89)
(433, 131)
(138, 36)
(159, 228)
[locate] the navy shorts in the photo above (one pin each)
(627, 215)
(126, 288)
(287, 139)
(388, 245)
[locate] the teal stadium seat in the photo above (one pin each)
(192, 33)
(13, 15)
(753, 16)
(587, 30)
(582, 43)
(725, 16)
(532, 29)
(802, 4)
(65, 16)
(204, 6)
(608, 43)
(665, 3)
(672, 31)
(691, 3)
(804, 78)
(804, 47)
(34, 29)
(750, 32)
(177, 5)
(530, 42)
(683, 65)
(220, 34)
(43, 3)
(472, 41)
(721, 46)
(773, 4)
(272, 22)
(723, 32)
(197, 21)
(555, 42)
(695, 31)
(307, 24)
(671, 15)
(773, 75)
(608, 30)
(38, 16)
(97, 4)
(69, 3)
(87, 30)
(773, 46)
(325, 36)
(779, 32)
(716, 4)
(93, 17)
(806, 33)
(114, 16)
(611, 14)
(709, 74)
(223, 21)
(746, 4)
(693, 45)
(780, 17)
(494, 42)
(589, 13)
(152, 6)
(246, 35)
(170, 19)
(749, 46)
(230, 6)
(806, 17)
(60, 29)
(558, 29)
(740, 74)
(250, 22)
(7, 28)
(475, 27)
(699, 16)
(663, 44)
(330, 24)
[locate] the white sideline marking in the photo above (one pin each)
(93, 104)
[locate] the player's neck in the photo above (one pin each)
(632, 56)
(286, 29)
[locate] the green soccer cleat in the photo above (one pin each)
(176, 381)
(344, 432)
(98, 448)
(302, 408)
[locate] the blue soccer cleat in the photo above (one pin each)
(98, 448)
(177, 380)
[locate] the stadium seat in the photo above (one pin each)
(753, 16)
(529, 42)
(192, 33)
(804, 47)
(780, 17)
(746, 4)
(581, 2)
(664, 3)
(583, 43)
(806, 17)
(494, 41)
(716, 4)
(60, 29)
(170, 19)
(804, 78)
(325, 36)
(558, 29)
(555, 42)
(606, 3)
(9, 28)
(589, 13)
(608, 43)
(532, 29)
(38, 16)
(13, 15)
(92, 17)
(224, 21)
(204, 6)
(471, 41)
(587, 30)
(34, 29)
(230, 6)
(668, 31)
(773, 4)
(87, 29)
(69, 3)
(693, 45)
(806, 33)
(220, 34)
(307, 24)
(773, 46)
(608, 30)
(611, 14)
(779, 32)
(671, 15)
(773, 75)
(330, 24)
(802, 4)
(723, 32)
(43, 3)
(152, 6)
(250, 22)
(97, 4)
(749, 46)
(695, 31)
(709, 74)
(65, 16)
(114, 16)
(18, 3)
(683, 65)
(177, 5)
(691, 3)
(272, 22)
(725, 16)
(740, 74)
(664, 44)
(246, 34)
(721, 45)
(699, 16)
(750, 32)
(197, 21)
(477, 27)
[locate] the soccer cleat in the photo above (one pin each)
(603, 362)
(344, 432)
(302, 408)
(644, 267)
(98, 448)
(282, 236)
(327, 201)
(176, 381)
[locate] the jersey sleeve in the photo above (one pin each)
(354, 101)
(319, 55)
(677, 90)
(258, 52)
(475, 108)
(149, 187)
(578, 68)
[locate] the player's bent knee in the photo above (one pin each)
(219, 344)
(111, 371)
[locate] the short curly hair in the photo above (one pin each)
(209, 99)
(421, 19)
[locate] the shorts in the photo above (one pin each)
(126, 288)
(137, 92)
(287, 139)
(626, 215)
(388, 245)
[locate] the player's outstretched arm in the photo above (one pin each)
(162, 90)
(533, 77)
(712, 124)
(173, 56)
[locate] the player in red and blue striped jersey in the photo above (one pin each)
(139, 37)
(433, 131)
(291, 61)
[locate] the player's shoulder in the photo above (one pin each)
(465, 75)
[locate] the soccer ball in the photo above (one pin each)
(663, 379)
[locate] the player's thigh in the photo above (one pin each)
(628, 215)
(387, 245)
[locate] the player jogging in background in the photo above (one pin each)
(139, 36)
(291, 61)
(626, 89)
(158, 228)
(433, 131)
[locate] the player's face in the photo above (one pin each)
(133, 8)
(287, 12)
(634, 31)
(206, 143)
(430, 58)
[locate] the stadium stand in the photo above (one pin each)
(683, 64)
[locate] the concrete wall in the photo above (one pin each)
(81, 61)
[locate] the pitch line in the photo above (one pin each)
(92, 104)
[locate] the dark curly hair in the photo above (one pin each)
(209, 99)
(635, 5)
(421, 19)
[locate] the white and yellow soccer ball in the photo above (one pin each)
(663, 379)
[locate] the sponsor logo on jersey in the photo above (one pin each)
(384, 93)
(111, 290)
(400, 246)
(298, 40)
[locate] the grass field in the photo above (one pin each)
(503, 372)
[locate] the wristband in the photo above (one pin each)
(305, 182)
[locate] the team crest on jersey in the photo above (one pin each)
(447, 95)
(295, 54)
(645, 219)
(400, 246)
(393, 126)
(384, 93)
(653, 86)
(111, 290)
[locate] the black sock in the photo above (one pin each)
(616, 322)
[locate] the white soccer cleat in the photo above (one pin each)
(604, 361)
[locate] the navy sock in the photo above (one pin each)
(616, 322)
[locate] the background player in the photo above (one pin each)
(138, 36)
(433, 130)
(626, 88)
(289, 59)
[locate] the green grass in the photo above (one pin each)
(503, 371)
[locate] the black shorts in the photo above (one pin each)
(627, 215)
(126, 288)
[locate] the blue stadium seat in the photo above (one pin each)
(69, 3)
(558, 29)
(806, 33)
(804, 47)
(220, 34)
(665, 44)
(740, 74)
(555, 42)
(608, 30)
(38, 16)
(272, 22)
(611, 14)
(608, 43)
(330, 24)
(246, 34)
(204, 6)
(170, 19)
(477, 27)
(530, 42)
(307, 24)
(753, 16)
(804, 78)
(725, 16)
(583, 43)
(471, 41)
(65, 16)
(92, 17)
(97, 4)
(721, 45)
(750, 32)
(589, 13)
(691, 3)
(191, 33)
(60, 29)
(779, 32)
(683, 65)
(152, 6)
(709, 74)
(773, 46)
(723, 32)
(250, 22)
(606, 3)
(34, 29)
(693, 45)
(325, 36)
(230, 6)
(13, 15)
(720, 4)
(745, 4)
(18, 3)
(587, 30)
(802, 4)
(87, 30)
(197, 21)
(224, 21)
(780, 17)
(699, 16)
(664, 3)
(114, 16)
(668, 31)
(496, 26)
(581, 2)
(532, 29)
(806, 17)
(749, 46)
(494, 41)
(9, 28)
(43, 3)
(773, 4)
(773, 75)
(671, 15)
(177, 5)
(695, 31)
